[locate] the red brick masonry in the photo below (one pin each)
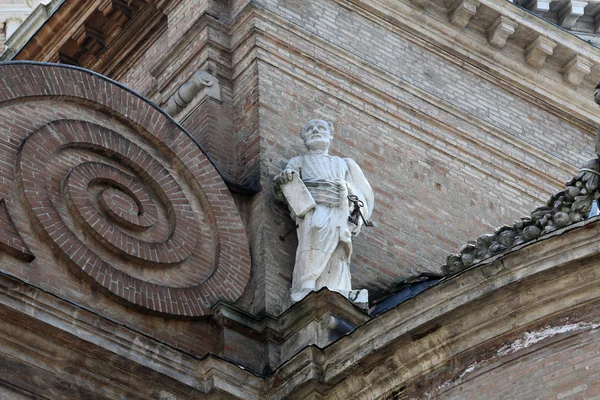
(137, 206)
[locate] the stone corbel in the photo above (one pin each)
(538, 50)
(462, 13)
(570, 13)
(576, 70)
(500, 30)
(201, 81)
(539, 6)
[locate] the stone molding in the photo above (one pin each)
(570, 13)
(576, 70)
(209, 374)
(32, 23)
(438, 325)
(381, 354)
(249, 22)
(430, 25)
(566, 12)
(462, 12)
(426, 24)
(11, 241)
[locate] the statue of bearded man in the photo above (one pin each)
(316, 187)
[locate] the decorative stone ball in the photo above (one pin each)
(561, 219)
(507, 238)
(531, 232)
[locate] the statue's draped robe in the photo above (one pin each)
(324, 234)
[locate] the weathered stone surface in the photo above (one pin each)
(190, 90)
(538, 50)
(576, 70)
(462, 12)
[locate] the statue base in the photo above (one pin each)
(359, 298)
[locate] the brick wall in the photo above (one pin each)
(451, 151)
(449, 154)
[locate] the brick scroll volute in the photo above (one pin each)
(118, 192)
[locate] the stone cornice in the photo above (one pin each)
(80, 32)
(471, 45)
(441, 322)
(31, 24)
(436, 326)
(376, 83)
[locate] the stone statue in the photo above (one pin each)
(317, 187)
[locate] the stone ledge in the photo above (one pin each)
(92, 333)
(454, 316)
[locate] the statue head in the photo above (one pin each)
(317, 135)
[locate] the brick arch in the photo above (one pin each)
(129, 184)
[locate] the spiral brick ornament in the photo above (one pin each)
(123, 195)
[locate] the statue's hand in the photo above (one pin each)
(284, 177)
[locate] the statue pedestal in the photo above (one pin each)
(319, 319)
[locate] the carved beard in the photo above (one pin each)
(320, 145)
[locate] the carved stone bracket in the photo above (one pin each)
(538, 50)
(570, 13)
(539, 6)
(500, 30)
(462, 13)
(576, 70)
(102, 28)
(190, 91)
